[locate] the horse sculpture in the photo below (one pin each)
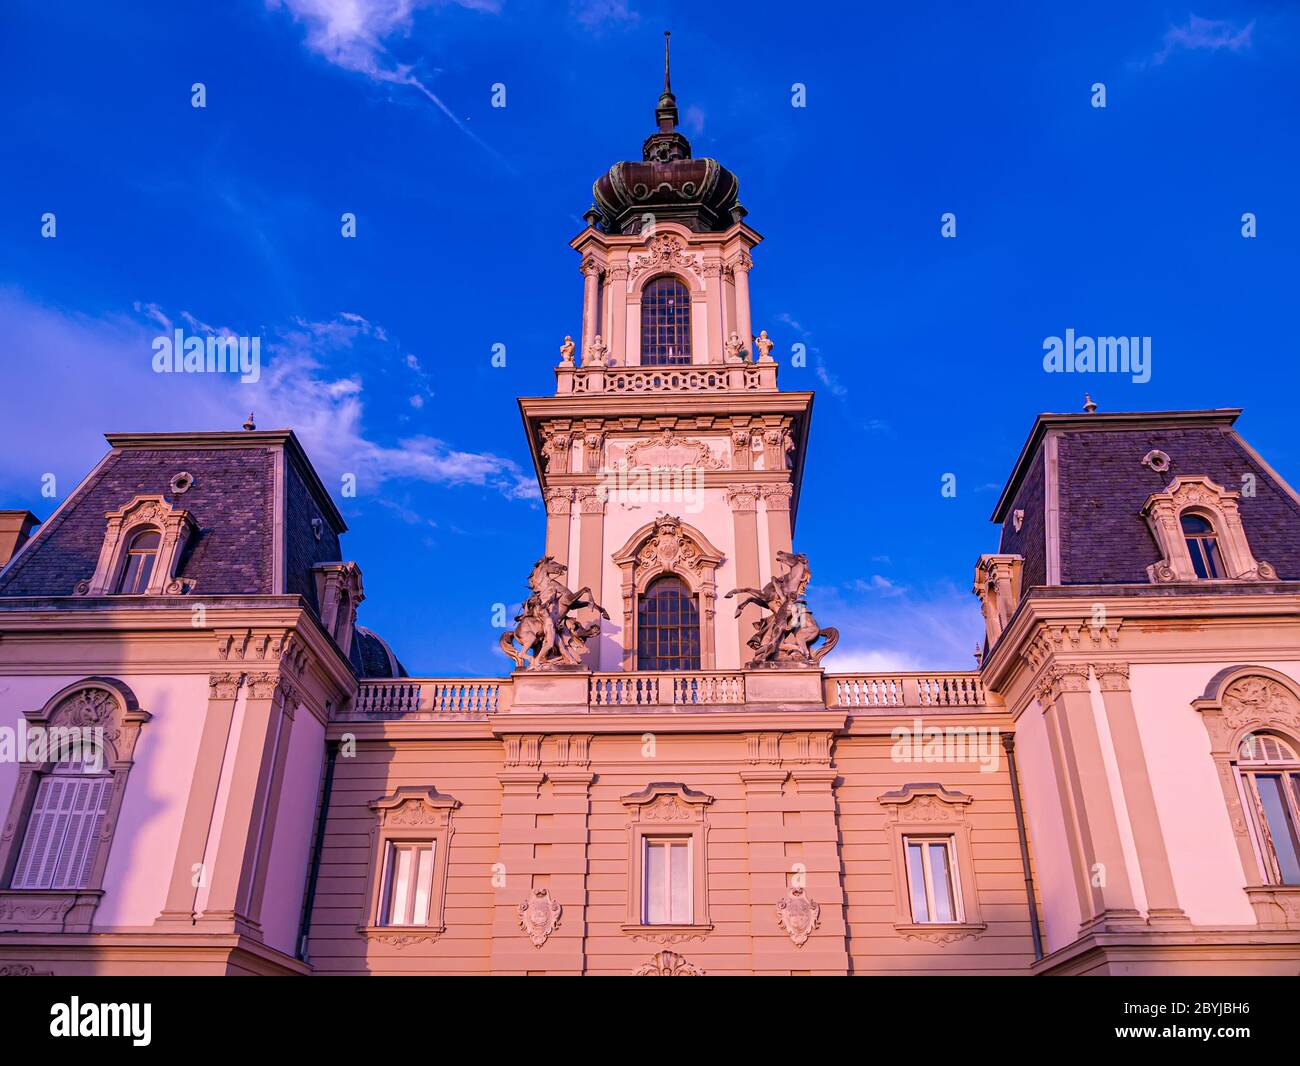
(787, 636)
(547, 632)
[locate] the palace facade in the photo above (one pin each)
(213, 769)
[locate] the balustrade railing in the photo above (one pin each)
(461, 697)
(904, 690)
(673, 689)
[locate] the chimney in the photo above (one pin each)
(15, 528)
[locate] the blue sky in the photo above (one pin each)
(926, 352)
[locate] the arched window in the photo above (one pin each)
(63, 829)
(141, 554)
(1202, 546)
(665, 323)
(667, 627)
(1270, 779)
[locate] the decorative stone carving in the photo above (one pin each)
(735, 348)
(547, 628)
(1157, 460)
(597, 353)
(764, 344)
(778, 497)
(559, 501)
(539, 915)
(556, 451)
(1018, 519)
(668, 964)
(669, 451)
(666, 252)
(181, 483)
(787, 636)
(339, 592)
(566, 352)
(997, 585)
(1163, 512)
(743, 497)
(798, 915)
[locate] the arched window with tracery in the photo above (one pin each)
(1202, 545)
(140, 557)
(665, 323)
(667, 626)
(1269, 771)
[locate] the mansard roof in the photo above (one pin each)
(1080, 484)
(252, 494)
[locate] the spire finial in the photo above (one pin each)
(1088, 405)
(250, 425)
(668, 85)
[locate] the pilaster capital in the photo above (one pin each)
(223, 685)
(1113, 677)
(590, 266)
(1061, 678)
(740, 262)
(559, 501)
(591, 501)
(777, 497)
(743, 497)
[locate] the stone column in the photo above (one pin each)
(776, 502)
(713, 292)
(591, 556)
(200, 805)
(559, 507)
(232, 875)
(1068, 707)
(1139, 797)
(744, 506)
(590, 280)
(616, 302)
(740, 267)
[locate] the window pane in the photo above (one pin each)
(916, 883)
(399, 892)
(656, 884)
(423, 886)
(665, 323)
(668, 627)
(1286, 845)
(941, 884)
(681, 873)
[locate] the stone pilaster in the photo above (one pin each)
(559, 508)
(517, 854)
(776, 504)
(743, 500)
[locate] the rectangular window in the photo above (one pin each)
(1279, 822)
(408, 882)
(930, 879)
(62, 831)
(667, 890)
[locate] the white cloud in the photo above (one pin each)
(1204, 35)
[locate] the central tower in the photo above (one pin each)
(669, 460)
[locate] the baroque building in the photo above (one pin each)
(212, 768)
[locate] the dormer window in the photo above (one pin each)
(141, 557)
(665, 323)
(1202, 546)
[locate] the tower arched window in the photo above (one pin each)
(1269, 770)
(63, 828)
(1202, 545)
(667, 627)
(141, 556)
(665, 323)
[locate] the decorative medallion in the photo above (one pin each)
(1157, 460)
(665, 251)
(669, 451)
(668, 964)
(798, 915)
(539, 915)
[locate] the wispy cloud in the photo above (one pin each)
(1203, 35)
(598, 14)
(357, 34)
(84, 366)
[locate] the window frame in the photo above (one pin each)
(1287, 772)
(664, 811)
(647, 305)
(669, 842)
(1202, 546)
(925, 841)
(692, 606)
(410, 816)
(130, 553)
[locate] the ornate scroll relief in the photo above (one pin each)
(798, 915)
(671, 452)
(669, 546)
(668, 964)
(539, 915)
(666, 252)
(1163, 512)
(175, 527)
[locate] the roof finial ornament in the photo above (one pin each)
(1088, 404)
(250, 425)
(666, 112)
(668, 85)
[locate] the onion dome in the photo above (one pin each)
(667, 182)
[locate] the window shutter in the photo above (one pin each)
(62, 832)
(42, 829)
(83, 818)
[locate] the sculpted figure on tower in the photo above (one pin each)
(786, 636)
(547, 628)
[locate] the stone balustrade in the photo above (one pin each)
(641, 380)
(460, 699)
